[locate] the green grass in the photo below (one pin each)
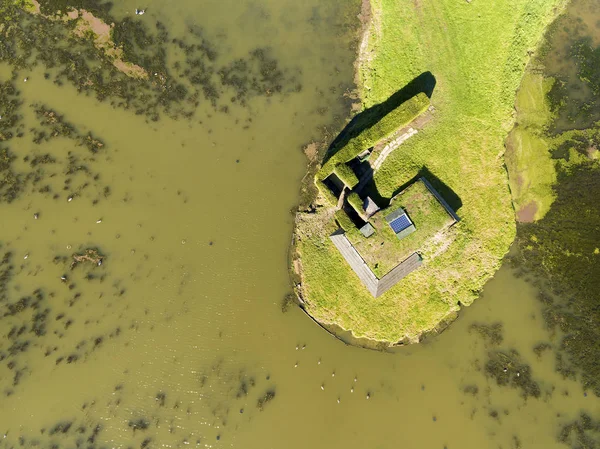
(477, 52)
(397, 118)
(383, 251)
(534, 152)
(346, 175)
(326, 193)
(528, 159)
(344, 221)
(356, 202)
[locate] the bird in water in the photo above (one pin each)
(140, 12)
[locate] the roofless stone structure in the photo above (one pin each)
(401, 225)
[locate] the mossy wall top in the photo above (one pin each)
(397, 118)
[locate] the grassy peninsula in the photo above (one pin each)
(477, 52)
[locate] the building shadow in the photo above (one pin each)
(445, 192)
(424, 83)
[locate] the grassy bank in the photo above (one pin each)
(477, 53)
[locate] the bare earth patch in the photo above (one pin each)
(35, 8)
(88, 24)
(102, 40)
(370, 19)
(527, 213)
(311, 151)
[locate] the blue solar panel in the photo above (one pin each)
(400, 223)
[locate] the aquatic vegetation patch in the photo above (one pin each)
(508, 369)
(259, 74)
(10, 118)
(45, 171)
(88, 256)
(288, 300)
(563, 248)
(40, 321)
(229, 390)
(11, 126)
(139, 424)
(125, 60)
(265, 399)
(473, 390)
(57, 126)
(492, 334)
(100, 33)
(582, 433)
(11, 183)
(540, 348)
(570, 57)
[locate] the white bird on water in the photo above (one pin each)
(140, 12)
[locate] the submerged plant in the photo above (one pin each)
(510, 371)
(563, 248)
(89, 255)
(265, 399)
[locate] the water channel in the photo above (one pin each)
(178, 339)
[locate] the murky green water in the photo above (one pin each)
(178, 338)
